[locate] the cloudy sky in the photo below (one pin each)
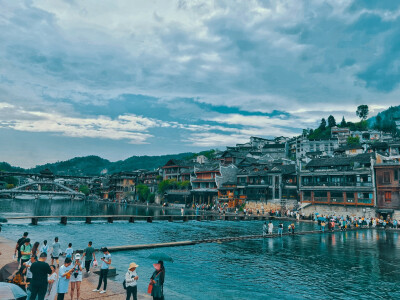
(122, 78)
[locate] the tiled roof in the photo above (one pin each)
(340, 161)
(270, 146)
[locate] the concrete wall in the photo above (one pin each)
(274, 204)
(340, 210)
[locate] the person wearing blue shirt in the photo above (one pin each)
(105, 265)
(64, 278)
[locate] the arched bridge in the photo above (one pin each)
(36, 189)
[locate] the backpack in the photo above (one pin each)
(124, 284)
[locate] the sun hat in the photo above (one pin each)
(133, 265)
(157, 267)
(77, 256)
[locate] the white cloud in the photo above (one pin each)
(128, 127)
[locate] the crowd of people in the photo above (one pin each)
(344, 223)
(268, 229)
(42, 280)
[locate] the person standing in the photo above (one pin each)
(35, 249)
(76, 277)
(26, 250)
(69, 251)
(28, 274)
(280, 229)
(64, 278)
(55, 253)
(131, 278)
(293, 227)
(52, 284)
(20, 242)
(44, 248)
(105, 265)
(157, 279)
(270, 227)
(40, 270)
(28, 264)
(89, 256)
(265, 229)
(323, 224)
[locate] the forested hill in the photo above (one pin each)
(94, 165)
(385, 120)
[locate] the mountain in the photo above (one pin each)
(94, 165)
(7, 167)
(384, 120)
(87, 165)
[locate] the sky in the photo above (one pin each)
(127, 77)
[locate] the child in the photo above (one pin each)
(69, 251)
(44, 247)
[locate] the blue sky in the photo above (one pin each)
(123, 78)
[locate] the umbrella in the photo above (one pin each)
(11, 291)
(3, 220)
(161, 256)
(8, 270)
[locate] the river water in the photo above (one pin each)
(349, 265)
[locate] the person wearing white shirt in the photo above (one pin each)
(270, 227)
(45, 247)
(131, 278)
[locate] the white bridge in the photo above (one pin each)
(36, 189)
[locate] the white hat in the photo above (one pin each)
(77, 256)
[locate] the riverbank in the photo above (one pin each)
(115, 290)
(209, 212)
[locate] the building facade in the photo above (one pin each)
(337, 182)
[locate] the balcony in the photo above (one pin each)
(337, 200)
(337, 184)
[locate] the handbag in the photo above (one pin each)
(150, 288)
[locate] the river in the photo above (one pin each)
(349, 265)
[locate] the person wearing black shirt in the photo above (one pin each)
(40, 270)
(20, 242)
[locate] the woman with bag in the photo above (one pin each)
(131, 278)
(76, 278)
(52, 284)
(156, 286)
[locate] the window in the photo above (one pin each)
(386, 177)
(336, 196)
(396, 174)
(350, 197)
(388, 196)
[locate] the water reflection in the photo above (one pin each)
(344, 265)
(43, 207)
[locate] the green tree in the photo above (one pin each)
(322, 126)
(378, 122)
(331, 121)
(143, 191)
(343, 123)
(353, 140)
(9, 186)
(151, 197)
(84, 189)
(11, 180)
(362, 111)
(184, 185)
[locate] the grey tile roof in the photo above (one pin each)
(340, 161)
